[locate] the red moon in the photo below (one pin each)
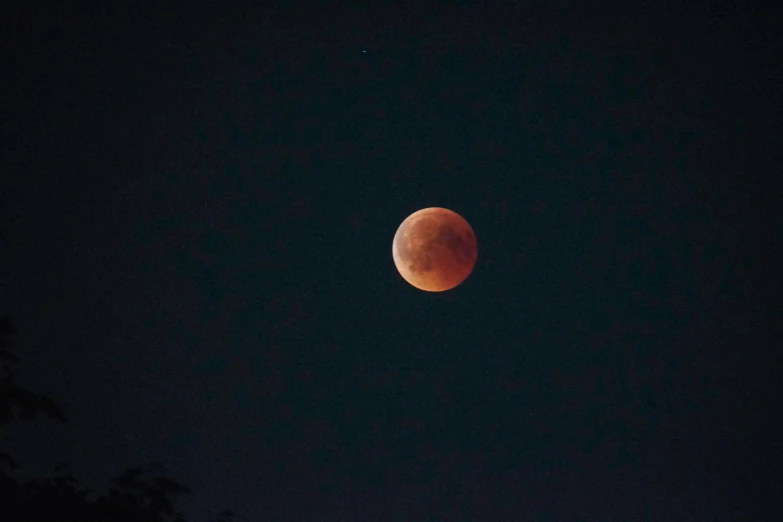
(434, 249)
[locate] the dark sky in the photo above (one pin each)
(196, 214)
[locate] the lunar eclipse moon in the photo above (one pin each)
(434, 249)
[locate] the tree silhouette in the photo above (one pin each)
(137, 495)
(16, 402)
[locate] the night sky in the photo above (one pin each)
(197, 206)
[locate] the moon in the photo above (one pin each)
(434, 249)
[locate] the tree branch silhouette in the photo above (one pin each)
(139, 494)
(16, 402)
